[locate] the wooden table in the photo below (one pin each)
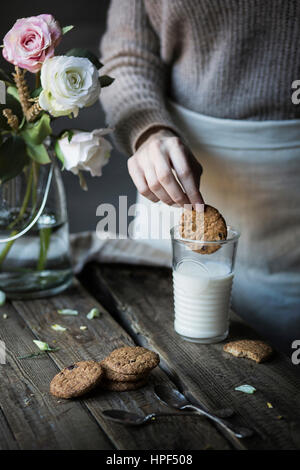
(137, 309)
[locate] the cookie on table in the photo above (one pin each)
(132, 360)
(206, 225)
(122, 386)
(76, 380)
(255, 350)
(113, 376)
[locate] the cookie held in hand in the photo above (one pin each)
(76, 380)
(255, 350)
(207, 225)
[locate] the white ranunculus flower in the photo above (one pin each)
(68, 83)
(87, 151)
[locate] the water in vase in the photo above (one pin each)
(37, 262)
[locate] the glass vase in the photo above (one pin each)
(34, 236)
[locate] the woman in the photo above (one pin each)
(207, 84)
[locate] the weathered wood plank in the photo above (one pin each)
(141, 299)
(7, 438)
(29, 418)
(101, 337)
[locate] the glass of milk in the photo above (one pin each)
(202, 287)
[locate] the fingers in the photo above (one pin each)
(167, 180)
(188, 171)
(151, 172)
(156, 187)
(157, 164)
(139, 180)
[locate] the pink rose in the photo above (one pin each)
(32, 40)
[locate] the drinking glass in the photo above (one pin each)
(202, 281)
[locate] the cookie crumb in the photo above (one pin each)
(255, 350)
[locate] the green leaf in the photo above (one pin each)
(80, 52)
(13, 157)
(94, 313)
(67, 311)
(35, 93)
(21, 125)
(70, 135)
(246, 389)
(105, 80)
(66, 133)
(58, 152)
(66, 29)
(38, 153)
(35, 134)
(11, 90)
(42, 345)
(4, 77)
(57, 327)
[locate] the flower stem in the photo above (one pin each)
(45, 236)
(39, 353)
(35, 167)
(30, 190)
(7, 247)
(25, 201)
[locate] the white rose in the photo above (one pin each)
(68, 83)
(87, 151)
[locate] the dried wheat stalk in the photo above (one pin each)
(12, 119)
(31, 111)
(23, 91)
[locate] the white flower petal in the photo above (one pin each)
(69, 83)
(87, 151)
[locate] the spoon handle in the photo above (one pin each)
(153, 416)
(238, 431)
(129, 419)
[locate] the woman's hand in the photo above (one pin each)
(159, 164)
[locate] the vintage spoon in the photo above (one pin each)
(175, 399)
(220, 413)
(134, 419)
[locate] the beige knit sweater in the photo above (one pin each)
(224, 58)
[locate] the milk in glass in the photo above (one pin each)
(202, 295)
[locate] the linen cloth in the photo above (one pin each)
(86, 246)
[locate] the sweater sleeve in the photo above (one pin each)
(135, 102)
